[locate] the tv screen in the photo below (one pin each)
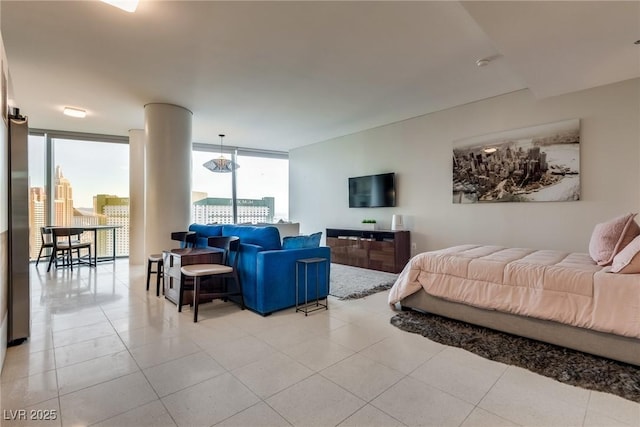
(372, 191)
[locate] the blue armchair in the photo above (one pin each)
(267, 271)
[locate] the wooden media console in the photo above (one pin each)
(383, 250)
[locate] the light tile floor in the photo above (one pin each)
(105, 352)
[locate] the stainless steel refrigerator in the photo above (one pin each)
(19, 322)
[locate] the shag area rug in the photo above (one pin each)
(562, 364)
(353, 282)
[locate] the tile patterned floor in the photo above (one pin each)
(104, 352)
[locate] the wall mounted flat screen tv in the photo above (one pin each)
(372, 191)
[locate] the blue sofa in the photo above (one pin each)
(267, 271)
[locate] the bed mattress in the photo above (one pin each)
(569, 288)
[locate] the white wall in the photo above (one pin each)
(419, 150)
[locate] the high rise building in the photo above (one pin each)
(197, 196)
(113, 210)
(83, 217)
(62, 199)
(37, 218)
(107, 210)
(220, 210)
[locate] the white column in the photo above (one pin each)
(136, 197)
(167, 131)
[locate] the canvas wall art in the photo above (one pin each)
(533, 164)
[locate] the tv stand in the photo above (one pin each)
(383, 250)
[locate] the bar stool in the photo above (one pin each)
(186, 238)
(227, 268)
(159, 271)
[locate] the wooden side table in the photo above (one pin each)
(174, 259)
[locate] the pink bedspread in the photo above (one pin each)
(565, 287)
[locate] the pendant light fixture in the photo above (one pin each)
(221, 164)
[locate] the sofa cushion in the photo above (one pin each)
(204, 231)
(302, 242)
(284, 228)
(266, 237)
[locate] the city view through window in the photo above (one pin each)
(88, 184)
(262, 185)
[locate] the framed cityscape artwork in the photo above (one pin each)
(532, 164)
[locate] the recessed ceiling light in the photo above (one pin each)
(126, 5)
(490, 150)
(482, 62)
(74, 112)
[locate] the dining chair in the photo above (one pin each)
(227, 269)
(187, 238)
(46, 242)
(66, 240)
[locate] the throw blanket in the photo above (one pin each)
(564, 287)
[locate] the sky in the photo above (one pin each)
(91, 167)
(257, 178)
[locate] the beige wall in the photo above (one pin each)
(419, 150)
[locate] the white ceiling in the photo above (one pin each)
(279, 75)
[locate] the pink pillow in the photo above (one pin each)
(628, 260)
(609, 238)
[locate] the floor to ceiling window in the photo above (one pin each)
(38, 201)
(80, 180)
(263, 188)
(258, 193)
(211, 193)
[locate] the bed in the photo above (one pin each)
(558, 297)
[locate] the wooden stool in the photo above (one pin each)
(226, 269)
(159, 271)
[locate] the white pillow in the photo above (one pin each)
(628, 260)
(609, 238)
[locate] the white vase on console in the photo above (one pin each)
(397, 222)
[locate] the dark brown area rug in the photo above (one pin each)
(562, 364)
